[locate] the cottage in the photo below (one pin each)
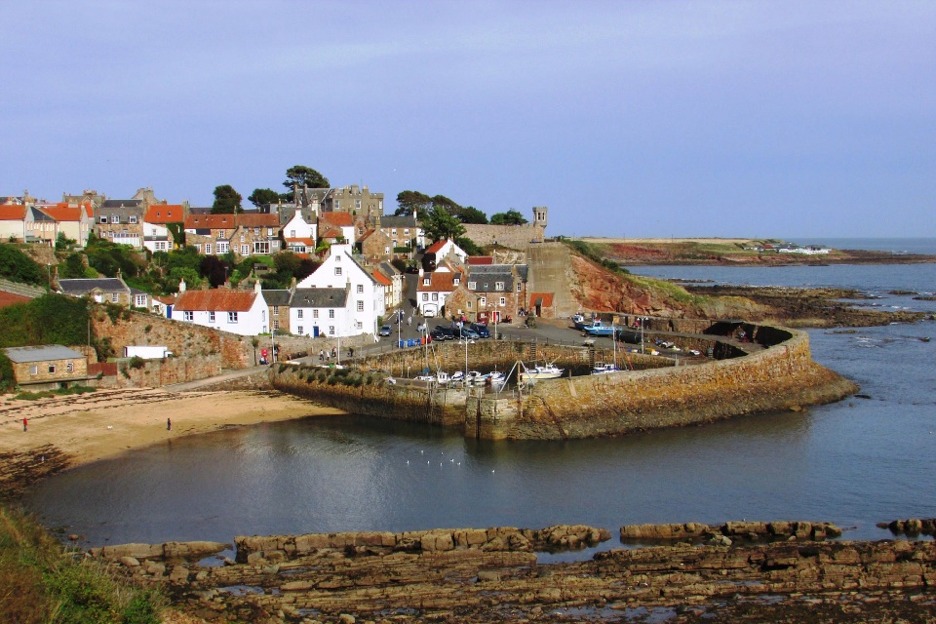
(242, 312)
(47, 367)
(433, 289)
(157, 235)
(101, 290)
(322, 312)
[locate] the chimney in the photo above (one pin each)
(181, 286)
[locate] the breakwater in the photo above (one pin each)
(779, 374)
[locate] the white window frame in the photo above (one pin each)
(232, 317)
(211, 317)
(188, 315)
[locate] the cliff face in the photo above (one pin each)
(597, 288)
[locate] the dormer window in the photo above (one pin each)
(472, 285)
(498, 285)
(427, 281)
(115, 219)
(103, 218)
(456, 281)
(133, 219)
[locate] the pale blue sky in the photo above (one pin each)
(640, 118)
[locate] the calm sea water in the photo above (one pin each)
(856, 462)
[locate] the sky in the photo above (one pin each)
(639, 118)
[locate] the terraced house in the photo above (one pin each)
(121, 221)
(245, 234)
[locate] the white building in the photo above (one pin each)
(300, 236)
(241, 312)
(320, 312)
(365, 299)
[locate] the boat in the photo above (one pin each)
(597, 328)
(601, 368)
(578, 321)
(540, 371)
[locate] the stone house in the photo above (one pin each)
(47, 367)
(121, 221)
(493, 291)
(322, 312)
(355, 200)
(337, 227)
(244, 234)
(365, 294)
(404, 231)
(100, 290)
(278, 302)
(242, 312)
(156, 233)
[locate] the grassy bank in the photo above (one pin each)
(43, 582)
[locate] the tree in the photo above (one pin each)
(470, 214)
(511, 217)
(214, 269)
(439, 224)
(300, 175)
(412, 201)
(227, 200)
(263, 197)
(18, 267)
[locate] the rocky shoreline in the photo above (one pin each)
(739, 572)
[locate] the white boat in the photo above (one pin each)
(544, 371)
(473, 377)
(602, 368)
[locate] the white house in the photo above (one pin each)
(320, 312)
(156, 235)
(365, 300)
(433, 289)
(299, 234)
(241, 312)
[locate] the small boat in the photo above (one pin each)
(545, 371)
(473, 377)
(602, 368)
(597, 328)
(578, 321)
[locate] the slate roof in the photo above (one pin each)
(398, 222)
(78, 287)
(229, 221)
(319, 298)
(122, 203)
(277, 296)
(216, 300)
(41, 353)
(486, 276)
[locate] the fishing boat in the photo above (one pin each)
(578, 321)
(597, 328)
(601, 368)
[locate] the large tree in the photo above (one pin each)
(439, 224)
(227, 200)
(300, 175)
(470, 214)
(511, 217)
(412, 201)
(263, 197)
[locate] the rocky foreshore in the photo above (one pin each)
(755, 572)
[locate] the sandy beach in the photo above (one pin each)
(107, 423)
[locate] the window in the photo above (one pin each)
(222, 248)
(103, 219)
(331, 330)
(425, 297)
(469, 304)
(386, 251)
(242, 237)
(51, 369)
(132, 219)
(207, 249)
(393, 232)
(331, 314)
(503, 301)
(337, 270)
(34, 370)
(360, 306)
(299, 313)
(140, 301)
(270, 231)
(519, 287)
(395, 243)
(427, 281)
(220, 233)
(275, 310)
(211, 317)
(498, 285)
(198, 247)
(315, 314)
(232, 317)
(115, 219)
(435, 296)
(261, 247)
(299, 330)
(482, 301)
(456, 281)
(256, 231)
(359, 325)
(360, 289)
(245, 250)
(292, 233)
(472, 285)
(115, 297)
(275, 324)
(188, 315)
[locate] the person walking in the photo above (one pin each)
(168, 424)
(25, 423)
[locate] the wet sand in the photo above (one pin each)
(106, 423)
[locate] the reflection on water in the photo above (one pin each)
(855, 463)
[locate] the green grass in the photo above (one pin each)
(45, 394)
(43, 582)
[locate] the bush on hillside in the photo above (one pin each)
(16, 266)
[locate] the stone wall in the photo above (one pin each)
(512, 236)
(779, 377)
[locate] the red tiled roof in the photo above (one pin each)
(337, 219)
(258, 219)
(216, 300)
(438, 282)
(479, 260)
(230, 221)
(381, 278)
(330, 232)
(12, 212)
(436, 246)
(64, 212)
(165, 213)
(547, 298)
(308, 242)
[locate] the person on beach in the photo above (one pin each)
(25, 422)
(168, 424)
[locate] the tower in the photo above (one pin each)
(539, 221)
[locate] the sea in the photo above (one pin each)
(858, 462)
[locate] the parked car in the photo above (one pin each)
(439, 333)
(482, 330)
(385, 330)
(467, 332)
